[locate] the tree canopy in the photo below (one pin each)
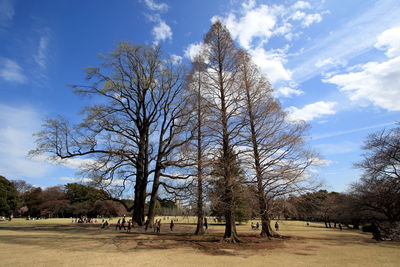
(8, 197)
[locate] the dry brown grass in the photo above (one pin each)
(58, 242)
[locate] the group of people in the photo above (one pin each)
(256, 226)
(9, 218)
(127, 225)
(84, 219)
(121, 224)
(157, 226)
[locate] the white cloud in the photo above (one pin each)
(311, 111)
(7, 11)
(271, 64)
(11, 71)
(389, 40)
(376, 83)
(152, 5)
(288, 92)
(16, 128)
(301, 5)
(162, 32)
(193, 50)
(74, 163)
(254, 22)
(328, 62)
(306, 19)
(321, 162)
(75, 179)
(42, 52)
(176, 59)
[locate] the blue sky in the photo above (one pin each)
(335, 64)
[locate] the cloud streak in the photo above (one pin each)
(16, 128)
(42, 53)
(338, 133)
(348, 40)
(152, 5)
(7, 12)
(11, 71)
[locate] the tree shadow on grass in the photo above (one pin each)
(92, 238)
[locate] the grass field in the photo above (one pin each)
(59, 242)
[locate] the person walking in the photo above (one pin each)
(205, 223)
(171, 225)
(129, 226)
(276, 226)
(123, 224)
(159, 226)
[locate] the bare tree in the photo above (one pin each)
(198, 148)
(276, 156)
(378, 191)
(131, 133)
(221, 92)
(173, 133)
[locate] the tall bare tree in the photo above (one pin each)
(173, 133)
(276, 155)
(223, 98)
(129, 135)
(195, 84)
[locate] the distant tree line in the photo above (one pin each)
(374, 199)
(70, 200)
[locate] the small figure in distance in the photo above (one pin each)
(308, 224)
(257, 225)
(171, 225)
(276, 226)
(104, 225)
(118, 225)
(205, 223)
(158, 226)
(129, 226)
(122, 224)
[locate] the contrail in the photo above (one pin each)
(322, 136)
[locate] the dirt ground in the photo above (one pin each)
(58, 242)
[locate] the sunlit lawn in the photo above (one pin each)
(55, 242)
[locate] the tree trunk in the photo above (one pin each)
(266, 230)
(139, 204)
(230, 235)
(153, 198)
(141, 178)
(200, 214)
